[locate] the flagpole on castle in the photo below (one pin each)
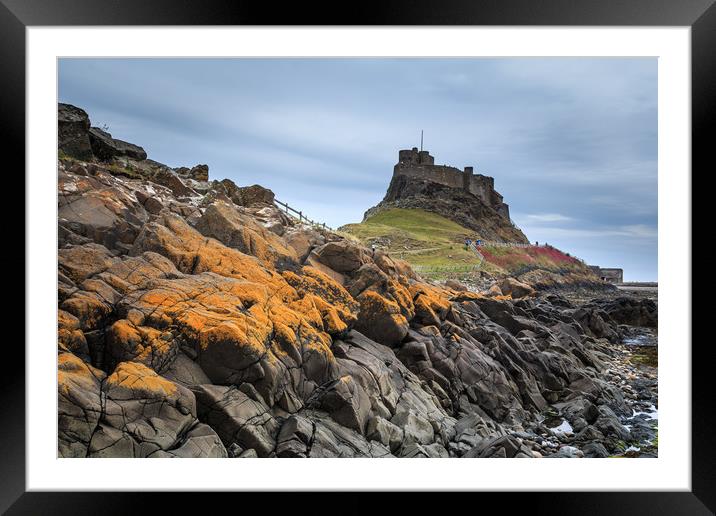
(421, 140)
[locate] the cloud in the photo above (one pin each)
(571, 142)
(635, 231)
(542, 217)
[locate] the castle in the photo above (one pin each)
(421, 165)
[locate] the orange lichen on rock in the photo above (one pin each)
(74, 376)
(89, 308)
(371, 277)
(132, 380)
(335, 301)
(242, 331)
(154, 348)
(138, 271)
(239, 231)
(193, 253)
(80, 262)
(431, 303)
(380, 319)
(401, 295)
(69, 336)
(78, 403)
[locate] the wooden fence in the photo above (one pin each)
(298, 214)
(505, 244)
(455, 268)
(475, 250)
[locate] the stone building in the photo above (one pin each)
(421, 165)
(610, 275)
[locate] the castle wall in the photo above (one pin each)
(420, 165)
(443, 174)
(610, 275)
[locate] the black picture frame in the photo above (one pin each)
(17, 15)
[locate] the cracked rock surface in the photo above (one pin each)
(195, 319)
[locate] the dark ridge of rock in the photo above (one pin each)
(73, 126)
(105, 148)
(630, 311)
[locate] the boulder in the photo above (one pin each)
(186, 372)
(339, 278)
(516, 289)
(169, 179)
(69, 335)
(79, 404)
(347, 404)
(146, 415)
(151, 204)
(241, 232)
(73, 126)
(630, 311)
(384, 432)
(105, 148)
(415, 427)
(505, 446)
(380, 319)
(199, 441)
(342, 256)
(100, 209)
(199, 173)
(595, 450)
(126, 341)
(254, 195)
(494, 291)
(237, 418)
(455, 285)
(303, 239)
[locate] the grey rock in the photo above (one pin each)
(237, 418)
(72, 132)
(105, 148)
(385, 432)
(145, 415)
(595, 450)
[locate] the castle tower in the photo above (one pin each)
(424, 158)
(467, 178)
(415, 157)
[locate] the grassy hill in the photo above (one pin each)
(428, 240)
(417, 236)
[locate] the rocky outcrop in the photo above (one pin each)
(240, 231)
(210, 325)
(104, 147)
(630, 311)
(515, 288)
(197, 173)
(246, 196)
(73, 132)
(455, 204)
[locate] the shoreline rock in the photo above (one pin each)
(197, 320)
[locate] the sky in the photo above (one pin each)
(571, 142)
